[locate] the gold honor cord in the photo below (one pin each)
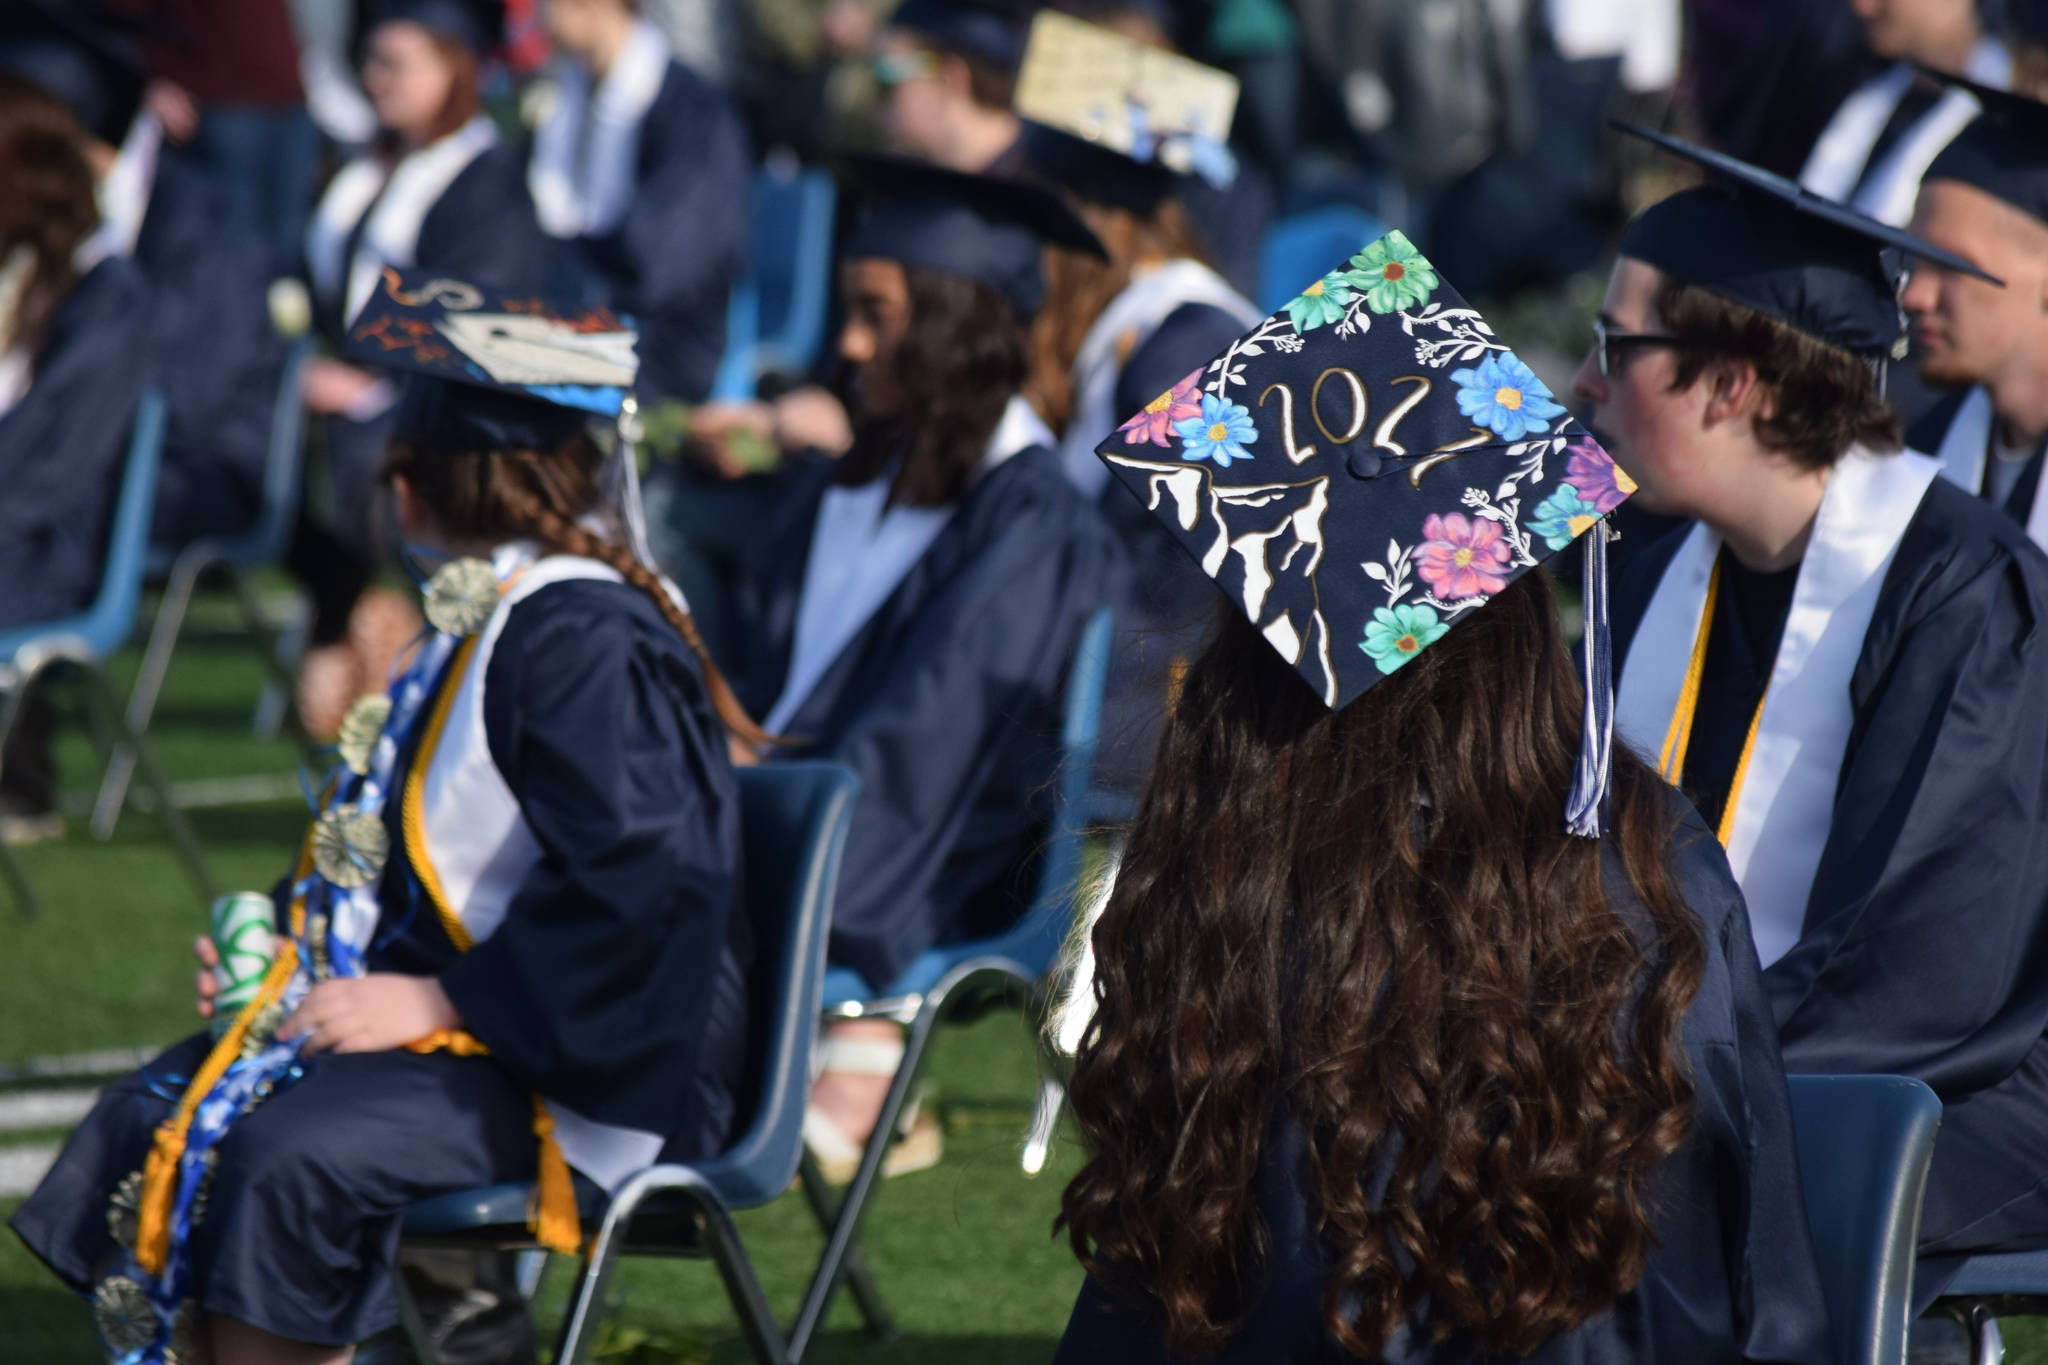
(1671, 760)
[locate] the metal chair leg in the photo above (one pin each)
(183, 839)
(156, 663)
(860, 1280)
(18, 884)
(12, 702)
(413, 1323)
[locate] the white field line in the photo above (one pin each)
(111, 1061)
(23, 1168)
(201, 793)
(44, 1109)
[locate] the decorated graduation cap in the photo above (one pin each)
(2004, 151)
(81, 56)
(1117, 121)
(478, 25)
(1760, 240)
(487, 370)
(986, 228)
(993, 30)
(1369, 466)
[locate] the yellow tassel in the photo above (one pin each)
(160, 1170)
(552, 1213)
(457, 1041)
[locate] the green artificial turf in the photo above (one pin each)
(963, 1252)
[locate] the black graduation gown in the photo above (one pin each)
(63, 446)
(616, 985)
(1925, 945)
(1732, 1277)
(217, 356)
(671, 260)
(946, 703)
(1165, 604)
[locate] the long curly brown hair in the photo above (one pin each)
(492, 496)
(1374, 923)
(47, 202)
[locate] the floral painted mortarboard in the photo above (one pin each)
(1367, 467)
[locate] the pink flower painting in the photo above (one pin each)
(1461, 558)
(1154, 426)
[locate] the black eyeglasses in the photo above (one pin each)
(1609, 341)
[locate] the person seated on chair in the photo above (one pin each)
(72, 369)
(512, 944)
(1839, 664)
(217, 357)
(1427, 1029)
(1115, 336)
(949, 68)
(912, 610)
(643, 166)
(1986, 199)
(438, 190)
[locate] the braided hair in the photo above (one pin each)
(544, 495)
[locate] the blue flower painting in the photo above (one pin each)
(1220, 433)
(1505, 396)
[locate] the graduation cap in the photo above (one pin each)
(987, 228)
(1762, 241)
(1368, 467)
(478, 25)
(1117, 121)
(992, 30)
(79, 55)
(2004, 151)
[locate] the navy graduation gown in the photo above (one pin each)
(671, 260)
(63, 446)
(1924, 950)
(1732, 1277)
(217, 356)
(946, 703)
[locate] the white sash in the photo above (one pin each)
(1965, 447)
(861, 550)
(1129, 321)
(582, 177)
(482, 849)
(124, 195)
(1786, 805)
(1842, 151)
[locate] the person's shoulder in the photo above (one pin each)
(1955, 540)
(685, 100)
(110, 298)
(1927, 431)
(1029, 499)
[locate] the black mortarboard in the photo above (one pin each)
(1366, 468)
(487, 370)
(984, 227)
(478, 25)
(2003, 152)
(993, 30)
(1762, 241)
(80, 56)
(1118, 122)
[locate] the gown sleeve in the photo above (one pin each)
(483, 227)
(598, 988)
(1925, 946)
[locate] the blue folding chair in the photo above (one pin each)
(776, 318)
(1299, 248)
(1864, 1143)
(793, 822)
(85, 642)
(1014, 965)
(2014, 1283)
(261, 545)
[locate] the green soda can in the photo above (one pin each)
(244, 936)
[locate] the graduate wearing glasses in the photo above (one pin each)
(1840, 664)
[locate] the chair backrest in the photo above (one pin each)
(266, 541)
(793, 822)
(792, 265)
(1299, 248)
(1864, 1144)
(106, 624)
(734, 381)
(1034, 942)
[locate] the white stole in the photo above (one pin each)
(1965, 446)
(1786, 805)
(861, 549)
(586, 150)
(124, 195)
(1130, 320)
(482, 849)
(396, 201)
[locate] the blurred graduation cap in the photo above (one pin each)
(1367, 468)
(478, 25)
(987, 228)
(1760, 240)
(1116, 121)
(993, 30)
(82, 55)
(2003, 151)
